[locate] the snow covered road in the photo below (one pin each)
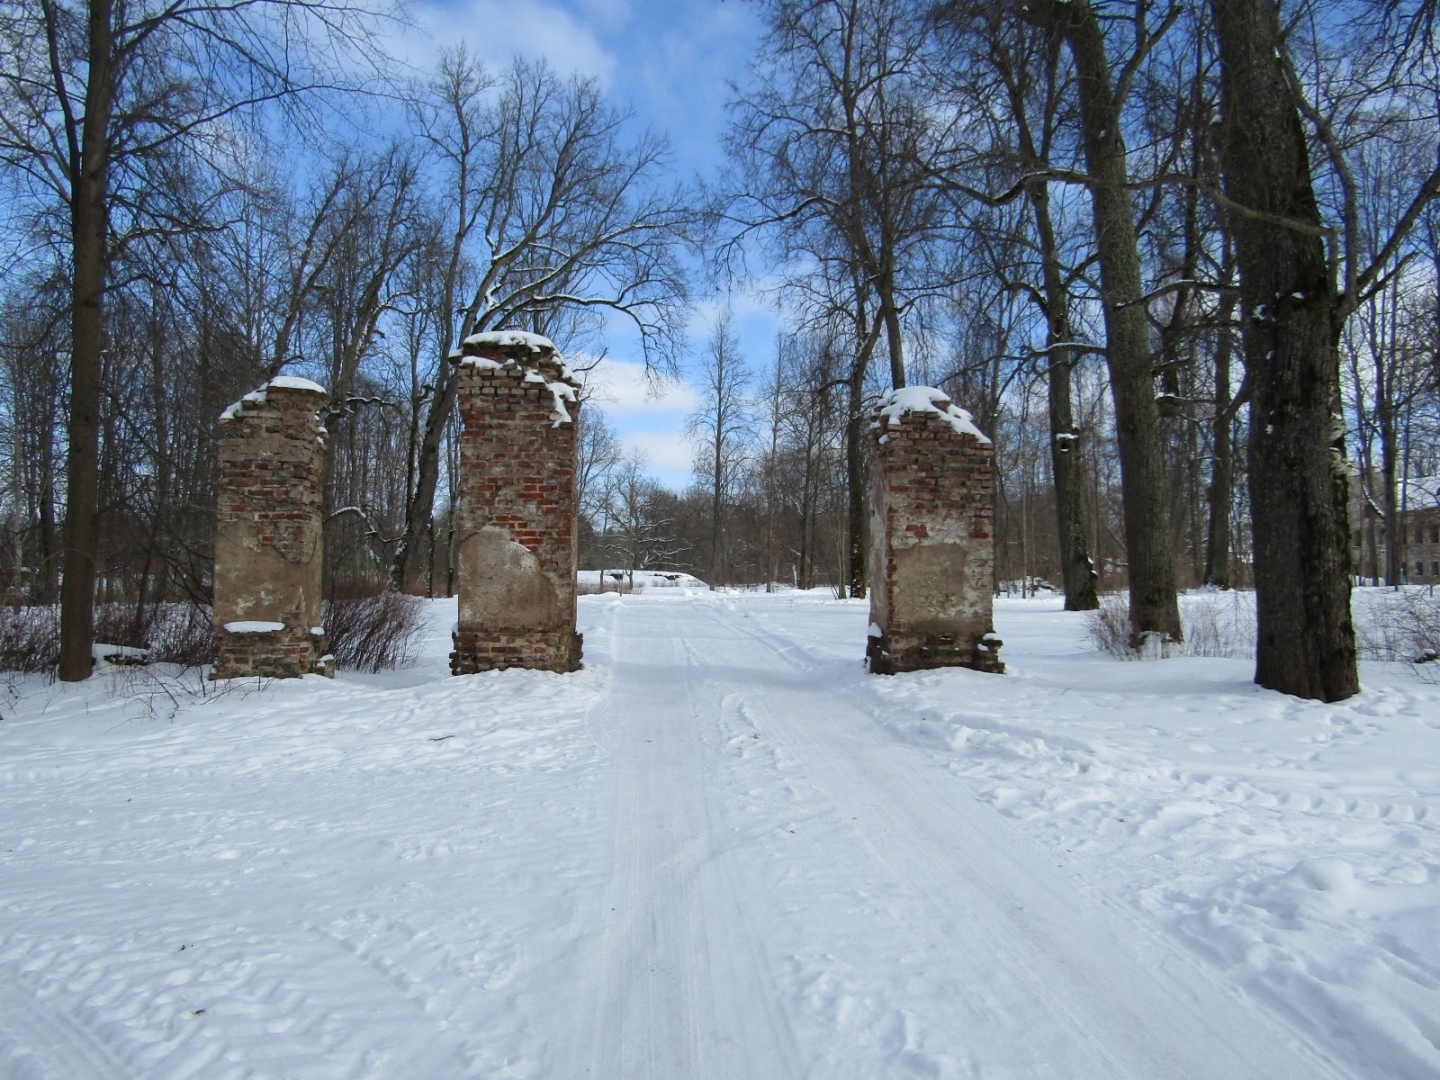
(928, 937)
(720, 851)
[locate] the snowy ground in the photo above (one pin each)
(722, 851)
(594, 581)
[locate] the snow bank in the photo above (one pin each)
(643, 579)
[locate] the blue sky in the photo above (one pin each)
(671, 64)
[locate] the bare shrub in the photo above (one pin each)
(1218, 623)
(609, 583)
(170, 633)
(122, 624)
(1402, 626)
(159, 691)
(182, 634)
(372, 630)
(1108, 626)
(29, 638)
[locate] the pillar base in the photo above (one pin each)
(891, 654)
(496, 650)
(271, 654)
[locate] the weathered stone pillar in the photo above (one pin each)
(516, 516)
(268, 546)
(932, 549)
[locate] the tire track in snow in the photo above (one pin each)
(43, 1041)
(1038, 972)
(679, 989)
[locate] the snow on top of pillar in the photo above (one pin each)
(291, 382)
(254, 626)
(510, 342)
(562, 390)
(506, 339)
(259, 397)
(255, 397)
(923, 399)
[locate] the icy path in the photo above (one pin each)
(721, 852)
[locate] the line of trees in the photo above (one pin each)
(768, 501)
(1181, 262)
(194, 205)
(1181, 193)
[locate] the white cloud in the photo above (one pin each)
(646, 417)
(621, 390)
(668, 458)
(610, 12)
(499, 30)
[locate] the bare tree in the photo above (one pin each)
(1293, 117)
(1154, 608)
(837, 151)
(550, 215)
(639, 532)
(721, 428)
(598, 455)
(32, 380)
(1026, 90)
(95, 90)
(1299, 495)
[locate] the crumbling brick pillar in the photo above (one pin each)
(516, 516)
(268, 548)
(932, 552)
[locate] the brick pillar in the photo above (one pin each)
(268, 534)
(932, 548)
(516, 516)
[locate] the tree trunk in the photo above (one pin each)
(894, 336)
(807, 528)
(1390, 495)
(856, 517)
(1298, 482)
(1219, 494)
(406, 569)
(1154, 609)
(47, 586)
(1077, 570)
(89, 224)
(716, 481)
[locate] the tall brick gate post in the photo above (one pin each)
(516, 517)
(268, 549)
(932, 552)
